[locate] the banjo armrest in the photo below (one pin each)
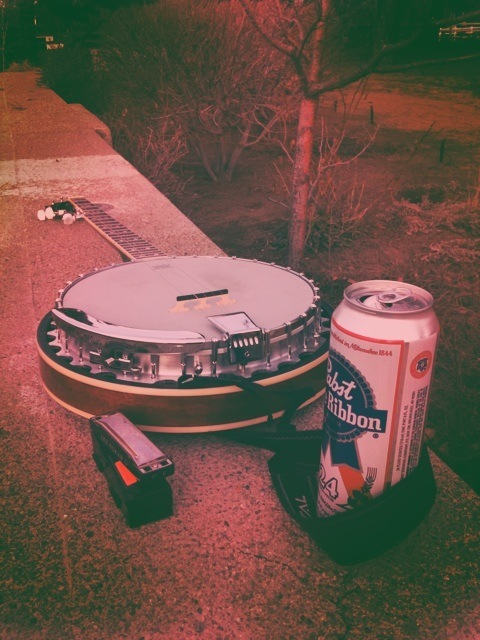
(171, 341)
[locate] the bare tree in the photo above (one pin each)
(203, 67)
(234, 94)
(315, 35)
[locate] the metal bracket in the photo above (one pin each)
(244, 337)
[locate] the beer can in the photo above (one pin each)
(382, 349)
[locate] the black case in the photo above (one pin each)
(146, 500)
(365, 531)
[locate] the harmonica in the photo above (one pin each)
(130, 445)
(139, 501)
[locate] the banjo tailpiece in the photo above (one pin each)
(245, 339)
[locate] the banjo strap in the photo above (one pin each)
(257, 391)
(294, 467)
(279, 436)
(346, 537)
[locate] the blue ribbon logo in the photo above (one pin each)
(349, 411)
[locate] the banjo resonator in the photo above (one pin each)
(183, 343)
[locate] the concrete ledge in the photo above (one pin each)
(81, 114)
(229, 564)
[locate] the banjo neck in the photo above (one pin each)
(130, 245)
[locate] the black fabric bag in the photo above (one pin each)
(365, 531)
(353, 536)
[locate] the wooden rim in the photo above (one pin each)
(227, 426)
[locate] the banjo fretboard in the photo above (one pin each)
(126, 241)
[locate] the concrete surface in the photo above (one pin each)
(229, 564)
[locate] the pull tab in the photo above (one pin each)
(394, 295)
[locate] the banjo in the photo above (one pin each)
(181, 344)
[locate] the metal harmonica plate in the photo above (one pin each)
(146, 456)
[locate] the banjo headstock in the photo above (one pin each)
(63, 210)
(130, 245)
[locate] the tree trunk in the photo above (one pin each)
(301, 183)
(302, 168)
(237, 151)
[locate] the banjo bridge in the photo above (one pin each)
(202, 301)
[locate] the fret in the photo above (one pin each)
(126, 241)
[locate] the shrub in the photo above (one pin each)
(204, 68)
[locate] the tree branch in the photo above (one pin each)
(315, 89)
(287, 50)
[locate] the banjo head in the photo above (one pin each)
(151, 324)
(180, 294)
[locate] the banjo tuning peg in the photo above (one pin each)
(68, 218)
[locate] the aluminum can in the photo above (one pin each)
(382, 350)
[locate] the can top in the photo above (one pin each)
(388, 297)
